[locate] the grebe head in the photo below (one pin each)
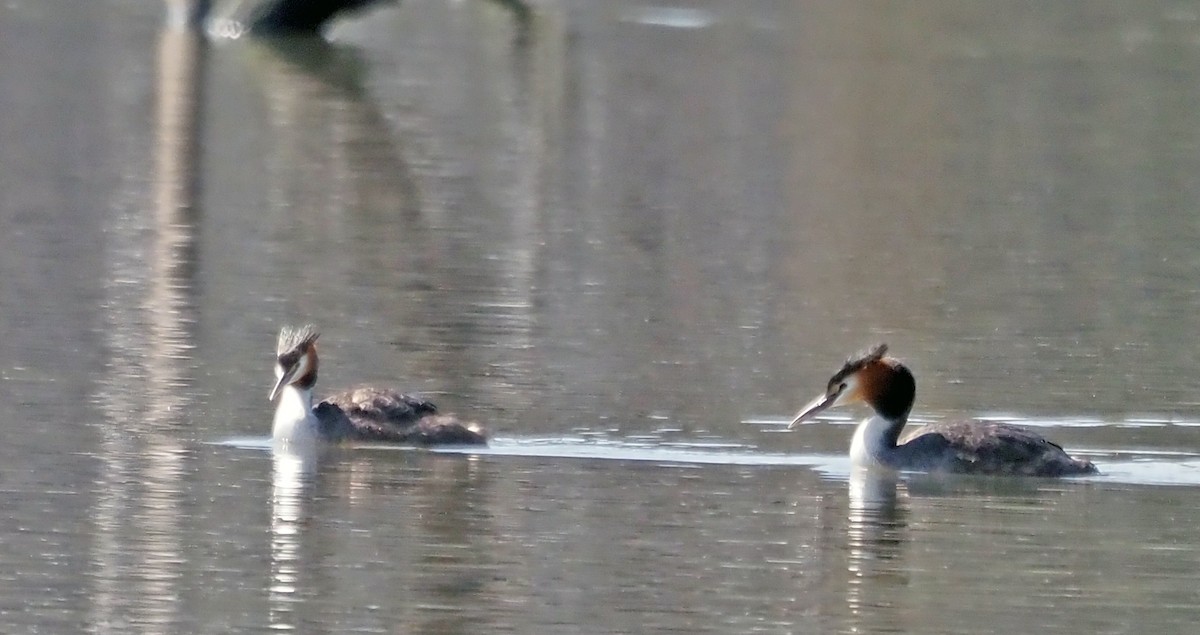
(296, 358)
(881, 382)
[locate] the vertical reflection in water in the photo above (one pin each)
(291, 481)
(529, 101)
(519, 81)
(176, 190)
(137, 515)
(352, 183)
(876, 532)
(187, 14)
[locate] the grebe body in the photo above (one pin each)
(968, 447)
(364, 414)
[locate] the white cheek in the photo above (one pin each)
(850, 393)
(278, 371)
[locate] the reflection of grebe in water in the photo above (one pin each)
(360, 414)
(970, 447)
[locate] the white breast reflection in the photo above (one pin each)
(292, 480)
(876, 534)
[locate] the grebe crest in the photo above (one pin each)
(981, 447)
(295, 339)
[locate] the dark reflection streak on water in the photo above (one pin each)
(521, 99)
(327, 525)
(359, 172)
(148, 328)
(457, 564)
(315, 84)
(310, 82)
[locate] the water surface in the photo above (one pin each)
(632, 239)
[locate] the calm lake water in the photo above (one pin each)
(632, 239)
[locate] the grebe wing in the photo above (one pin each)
(374, 414)
(381, 405)
(988, 447)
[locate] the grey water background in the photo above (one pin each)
(632, 239)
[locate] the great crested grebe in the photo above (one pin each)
(359, 414)
(968, 447)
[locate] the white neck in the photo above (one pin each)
(870, 444)
(294, 418)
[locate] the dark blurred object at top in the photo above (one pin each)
(235, 18)
(300, 17)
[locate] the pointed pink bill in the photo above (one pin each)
(278, 385)
(813, 408)
(284, 379)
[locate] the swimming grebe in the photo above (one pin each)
(360, 414)
(969, 447)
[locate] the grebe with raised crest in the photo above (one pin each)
(361, 414)
(968, 447)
